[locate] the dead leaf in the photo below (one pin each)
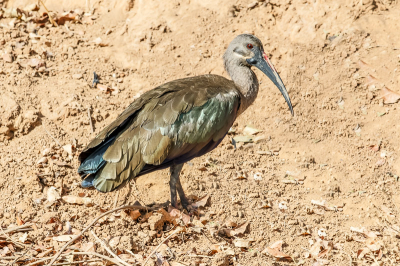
(67, 16)
(202, 202)
(362, 252)
(52, 194)
(275, 250)
(244, 139)
(363, 64)
(242, 243)
(316, 249)
(249, 130)
(238, 231)
(69, 148)
(185, 219)
(389, 96)
(387, 211)
(179, 215)
(31, 7)
(5, 251)
(327, 247)
(114, 241)
(364, 232)
(78, 200)
(19, 221)
(42, 161)
(87, 20)
(372, 80)
(63, 238)
(23, 238)
(230, 223)
(89, 247)
(64, 164)
(202, 168)
(375, 147)
(380, 162)
(373, 244)
(100, 42)
(36, 63)
(379, 255)
(105, 88)
(134, 214)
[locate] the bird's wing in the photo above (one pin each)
(176, 121)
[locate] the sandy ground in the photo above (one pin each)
(324, 182)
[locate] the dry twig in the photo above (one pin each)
(21, 245)
(162, 242)
(48, 13)
(108, 249)
(116, 199)
(90, 119)
(18, 228)
(76, 262)
(134, 207)
(78, 253)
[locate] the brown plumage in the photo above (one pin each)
(175, 122)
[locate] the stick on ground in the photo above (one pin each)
(48, 13)
(17, 228)
(90, 119)
(78, 253)
(162, 242)
(108, 250)
(134, 207)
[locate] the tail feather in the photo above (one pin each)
(94, 161)
(88, 182)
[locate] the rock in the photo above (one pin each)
(8, 58)
(77, 76)
(52, 194)
(114, 241)
(6, 133)
(229, 166)
(252, 5)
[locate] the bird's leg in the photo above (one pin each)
(175, 185)
(172, 186)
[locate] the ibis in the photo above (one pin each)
(177, 121)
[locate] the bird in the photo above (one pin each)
(177, 121)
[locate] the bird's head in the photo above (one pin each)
(247, 50)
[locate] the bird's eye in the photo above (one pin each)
(250, 46)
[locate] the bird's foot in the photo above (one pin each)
(185, 204)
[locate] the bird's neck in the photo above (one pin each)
(247, 83)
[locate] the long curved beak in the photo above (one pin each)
(262, 62)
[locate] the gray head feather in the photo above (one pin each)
(239, 69)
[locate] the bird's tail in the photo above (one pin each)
(88, 181)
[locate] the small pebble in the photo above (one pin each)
(77, 76)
